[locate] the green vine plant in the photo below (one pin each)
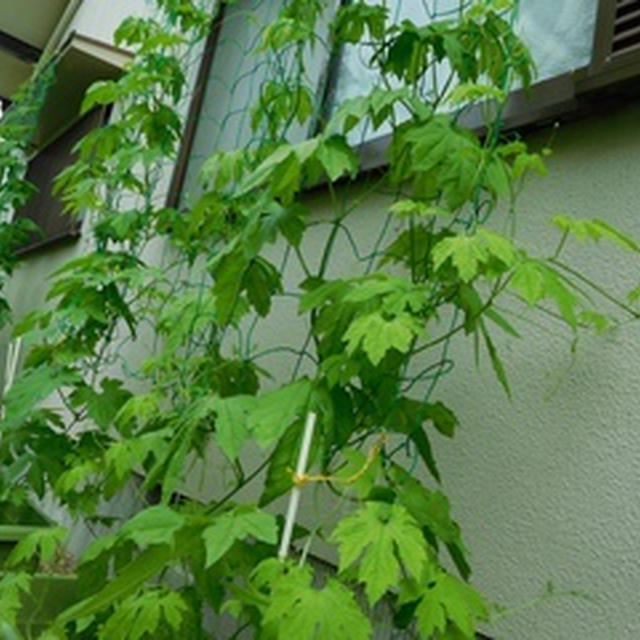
(86, 423)
(17, 131)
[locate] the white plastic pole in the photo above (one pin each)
(11, 366)
(294, 500)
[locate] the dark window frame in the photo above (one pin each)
(179, 175)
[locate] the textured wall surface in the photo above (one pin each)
(546, 487)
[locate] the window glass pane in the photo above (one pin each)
(233, 84)
(45, 209)
(236, 77)
(559, 34)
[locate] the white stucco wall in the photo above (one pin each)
(547, 488)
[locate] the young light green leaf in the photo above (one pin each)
(337, 157)
(237, 525)
(525, 162)
(275, 411)
(155, 525)
(536, 281)
(377, 335)
(498, 246)
(42, 543)
(377, 535)
(406, 208)
(595, 230)
(470, 92)
(466, 253)
(528, 281)
(296, 609)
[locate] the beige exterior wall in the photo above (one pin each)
(547, 487)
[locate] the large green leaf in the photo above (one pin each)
(275, 411)
(32, 387)
(237, 525)
(144, 567)
(447, 598)
(379, 536)
(102, 407)
(296, 609)
(232, 430)
(279, 478)
(155, 525)
(141, 615)
(261, 281)
(13, 586)
(431, 509)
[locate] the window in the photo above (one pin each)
(229, 81)
(559, 35)
(578, 46)
(81, 62)
(43, 207)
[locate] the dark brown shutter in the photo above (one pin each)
(43, 208)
